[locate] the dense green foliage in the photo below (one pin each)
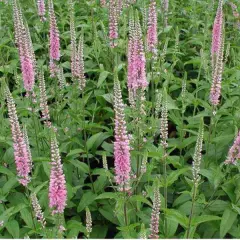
(85, 127)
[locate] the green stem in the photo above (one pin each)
(125, 207)
(138, 148)
(192, 207)
(152, 86)
(57, 219)
(211, 128)
(182, 131)
(196, 96)
(85, 143)
(237, 200)
(32, 211)
(138, 132)
(34, 124)
(125, 213)
(165, 187)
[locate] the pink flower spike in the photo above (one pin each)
(121, 144)
(21, 153)
(136, 57)
(113, 22)
(28, 74)
(234, 151)
(54, 34)
(152, 27)
(217, 56)
(43, 101)
(154, 225)
(41, 10)
(57, 186)
(217, 30)
(25, 48)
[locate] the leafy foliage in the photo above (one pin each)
(85, 127)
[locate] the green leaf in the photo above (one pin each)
(99, 232)
(26, 216)
(103, 75)
(9, 185)
(94, 141)
(13, 228)
(108, 213)
(173, 176)
(38, 188)
(80, 165)
(74, 224)
(108, 195)
(177, 216)
(18, 208)
(186, 208)
(108, 97)
(6, 214)
(140, 198)
(204, 218)
(129, 227)
(171, 228)
(46, 168)
(228, 218)
(100, 183)
(184, 197)
(6, 171)
(191, 232)
(218, 205)
(230, 190)
(75, 152)
(86, 200)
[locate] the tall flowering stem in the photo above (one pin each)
(121, 144)
(197, 157)
(57, 186)
(54, 45)
(88, 222)
(31, 50)
(158, 103)
(217, 56)
(136, 57)
(217, 32)
(61, 78)
(154, 224)
(234, 151)
(164, 122)
(217, 53)
(113, 22)
(26, 139)
(131, 56)
(73, 40)
(43, 100)
(165, 8)
(37, 210)
(80, 65)
(25, 49)
(142, 234)
(235, 13)
(152, 40)
(21, 151)
(41, 10)
(164, 144)
(137, 81)
(77, 56)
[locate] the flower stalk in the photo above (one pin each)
(197, 157)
